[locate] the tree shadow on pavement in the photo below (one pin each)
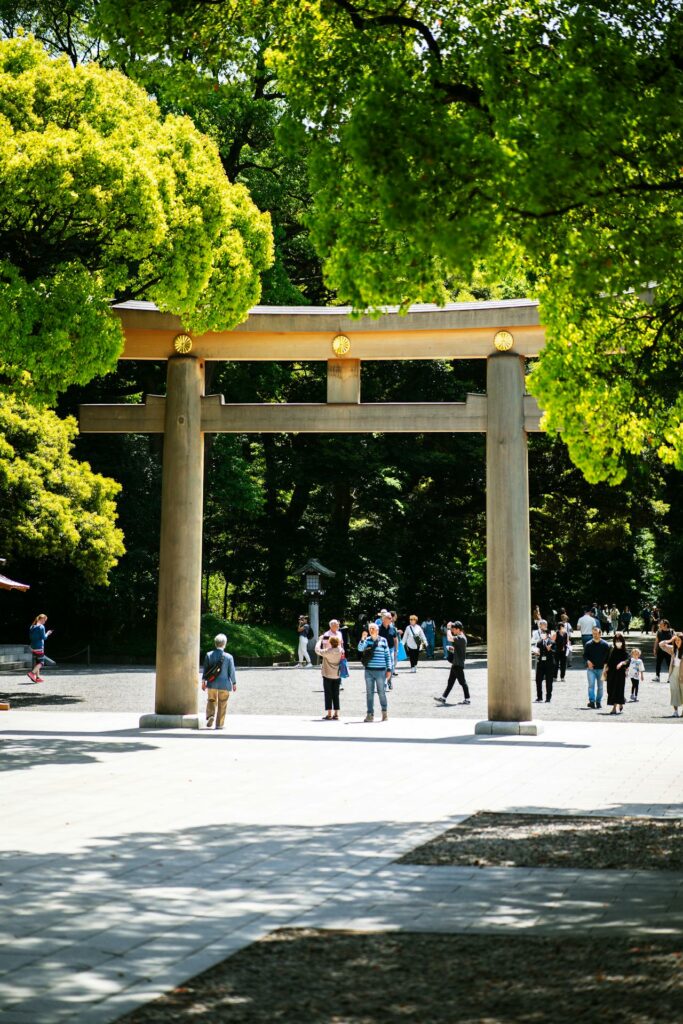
(36, 699)
(17, 753)
(124, 917)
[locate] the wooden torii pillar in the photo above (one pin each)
(504, 333)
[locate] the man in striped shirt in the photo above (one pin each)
(377, 664)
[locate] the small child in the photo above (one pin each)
(635, 672)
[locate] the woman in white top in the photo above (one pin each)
(413, 641)
(675, 649)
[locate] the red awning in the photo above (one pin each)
(7, 584)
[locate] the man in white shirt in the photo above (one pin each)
(335, 631)
(586, 625)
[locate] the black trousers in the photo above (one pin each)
(331, 688)
(560, 663)
(413, 654)
(457, 672)
(662, 658)
(545, 669)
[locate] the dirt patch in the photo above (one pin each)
(314, 977)
(556, 841)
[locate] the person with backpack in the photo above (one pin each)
(218, 680)
(305, 634)
(376, 659)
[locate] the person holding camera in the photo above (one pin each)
(305, 635)
(376, 658)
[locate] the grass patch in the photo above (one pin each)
(245, 641)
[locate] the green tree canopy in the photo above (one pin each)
(442, 133)
(102, 199)
(51, 505)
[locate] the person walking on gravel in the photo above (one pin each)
(37, 637)
(635, 672)
(615, 671)
(374, 653)
(458, 641)
(596, 653)
(414, 640)
(585, 626)
(218, 680)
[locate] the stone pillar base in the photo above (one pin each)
(169, 721)
(508, 728)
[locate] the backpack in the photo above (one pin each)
(367, 653)
(213, 671)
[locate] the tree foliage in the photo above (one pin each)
(102, 199)
(51, 505)
(438, 134)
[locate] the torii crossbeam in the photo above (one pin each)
(504, 333)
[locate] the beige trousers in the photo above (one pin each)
(220, 698)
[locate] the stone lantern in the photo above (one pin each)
(312, 572)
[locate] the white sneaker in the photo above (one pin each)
(413, 670)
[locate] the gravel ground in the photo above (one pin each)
(294, 691)
(315, 977)
(556, 841)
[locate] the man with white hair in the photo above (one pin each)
(218, 679)
(335, 631)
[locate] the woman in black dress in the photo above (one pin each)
(615, 669)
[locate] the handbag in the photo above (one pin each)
(343, 669)
(417, 640)
(213, 672)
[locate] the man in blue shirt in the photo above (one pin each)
(218, 687)
(596, 653)
(377, 670)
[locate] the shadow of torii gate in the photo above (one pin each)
(503, 333)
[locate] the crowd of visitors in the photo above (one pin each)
(609, 667)
(382, 644)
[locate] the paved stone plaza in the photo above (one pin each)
(133, 860)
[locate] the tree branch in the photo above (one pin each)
(360, 22)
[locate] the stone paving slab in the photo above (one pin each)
(141, 858)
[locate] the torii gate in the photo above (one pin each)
(503, 333)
